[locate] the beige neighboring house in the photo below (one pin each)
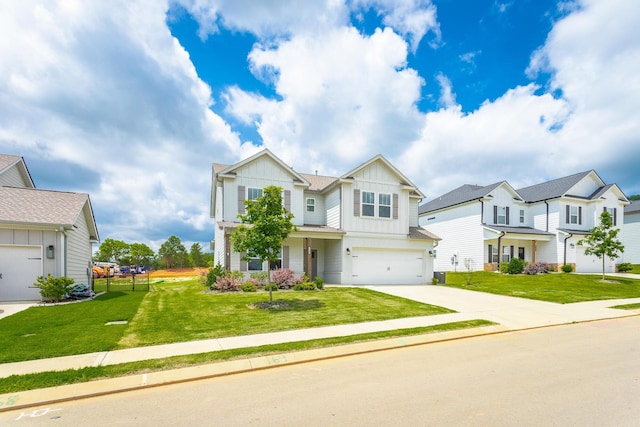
(41, 232)
(359, 228)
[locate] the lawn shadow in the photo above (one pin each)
(295, 304)
(111, 295)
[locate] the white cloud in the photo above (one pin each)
(344, 93)
(104, 87)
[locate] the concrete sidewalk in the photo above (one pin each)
(510, 313)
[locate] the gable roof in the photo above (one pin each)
(554, 188)
(28, 206)
(231, 170)
(319, 182)
(463, 194)
(404, 180)
(7, 161)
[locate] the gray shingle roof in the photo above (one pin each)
(551, 189)
(40, 207)
(421, 233)
(519, 230)
(7, 160)
(318, 182)
(462, 194)
(633, 207)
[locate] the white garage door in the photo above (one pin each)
(592, 264)
(20, 266)
(387, 267)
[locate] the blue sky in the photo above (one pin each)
(131, 101)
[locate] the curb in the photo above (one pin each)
(50, 395)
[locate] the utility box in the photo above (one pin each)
(441, 276)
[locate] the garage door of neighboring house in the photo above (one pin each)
(592, 264)
(385, 267)
(20, 266)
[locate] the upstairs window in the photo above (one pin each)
(368, 203)
(253, 193)
(501, 215)
(311, 205)
(574, 215)
(384, 205)
(521, 216)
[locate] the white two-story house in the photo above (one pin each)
(488, 225)
(631, 233)
(359, 228)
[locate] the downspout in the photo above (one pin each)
(564, 262)
(481, 211)
(547, 228)
(502, 233)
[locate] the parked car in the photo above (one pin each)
(79, 291)
(98, 272)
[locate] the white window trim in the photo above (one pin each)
(312, 205)
(376, 205)
(502, 213)
(249, 189)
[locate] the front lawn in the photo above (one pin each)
(554, 287)
(181, 311)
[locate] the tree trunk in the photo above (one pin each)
(603, 267)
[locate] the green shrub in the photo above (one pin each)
(248, 287)
(567, 268)
(271, 286)
(53, 288)
(515, 266)
(625, 266)
(260, 276)
(213, 274)
(304, 286)
(319, 281)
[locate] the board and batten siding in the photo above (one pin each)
(35, 237)
(260, 174)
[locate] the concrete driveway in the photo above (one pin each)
(514, 313)
(9, 308)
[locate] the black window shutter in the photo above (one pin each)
(511, 252)
(490, 260)
(568, 213)
(615, 219)
(495, 214)
(580, 215)
(507, 221)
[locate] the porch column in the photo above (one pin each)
(227, 252)
(533, 252)
(307, 256)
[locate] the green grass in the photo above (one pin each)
(628, 306)
(180, 311)
(17, 383)
(60, 330)
(556, 287)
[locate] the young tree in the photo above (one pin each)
(270, 223)
(141, 254)
(172, 250)
(195, 255)
(603, 240)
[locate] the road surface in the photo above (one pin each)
(585, 374)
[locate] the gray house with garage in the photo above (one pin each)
(358, 228)
(42, 232)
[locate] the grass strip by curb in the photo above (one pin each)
(16, 383)
(635, 306)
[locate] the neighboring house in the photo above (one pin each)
(631, 233)
(359, 228)
(41, 232)
(488, 225)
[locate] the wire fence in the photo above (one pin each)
(124, 283)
